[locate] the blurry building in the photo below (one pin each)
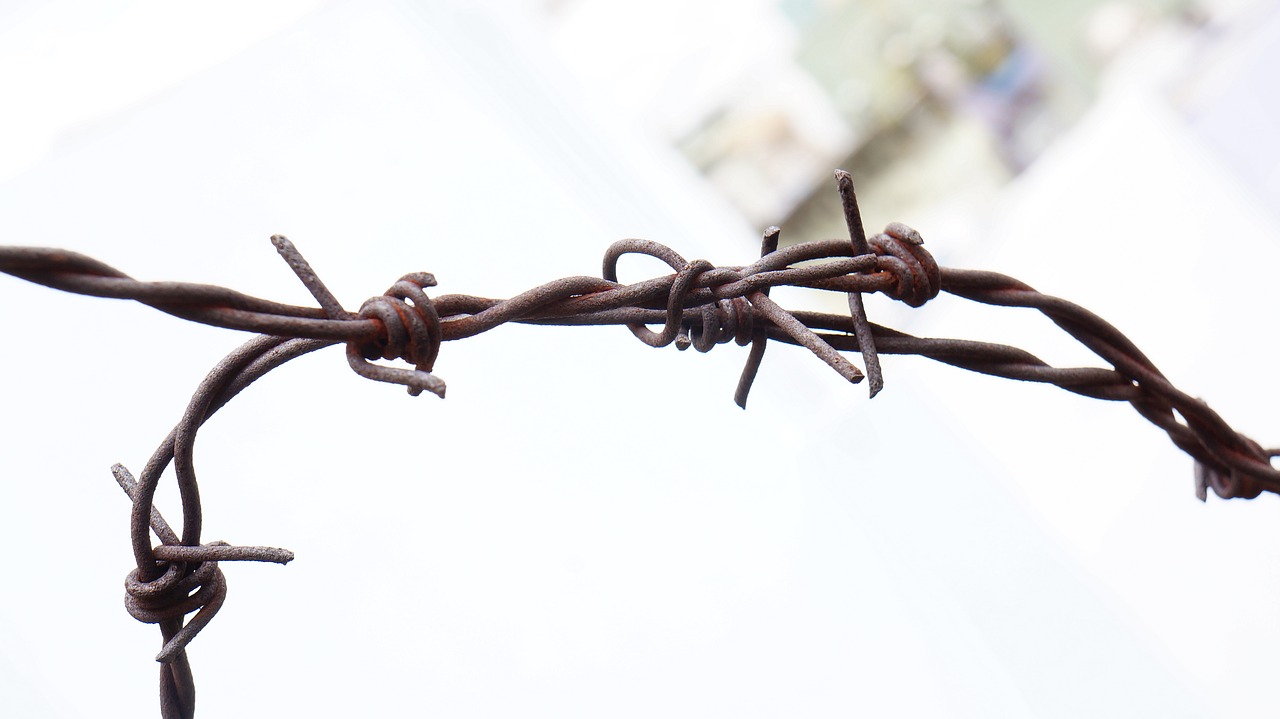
(919, 99)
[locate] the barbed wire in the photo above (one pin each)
(700, 306)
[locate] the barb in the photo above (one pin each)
(698, 305)
(858, 239)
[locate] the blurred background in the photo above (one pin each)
(539, 545)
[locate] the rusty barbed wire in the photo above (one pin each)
(700, 305)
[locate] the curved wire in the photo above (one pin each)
(698, 305)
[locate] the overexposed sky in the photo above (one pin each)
(588, 526)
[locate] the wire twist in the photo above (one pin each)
(698, 305)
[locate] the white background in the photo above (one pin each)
(587, 526)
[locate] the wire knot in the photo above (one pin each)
(173, 595)
(900, 251)
(722, 321)
(674, 329)
(411, 332)
(411, 322)
(410, 325)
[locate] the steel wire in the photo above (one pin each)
(698, 305)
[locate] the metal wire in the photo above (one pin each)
(699, 305)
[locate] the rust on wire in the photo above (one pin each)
(698, 305)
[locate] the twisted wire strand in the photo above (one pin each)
(708, 304)
(698, 305)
